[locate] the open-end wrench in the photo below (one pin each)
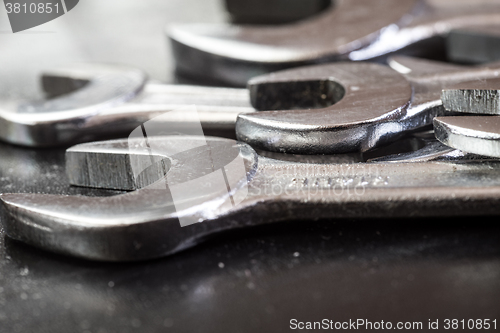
(375, 105)
(93, 102)
(353, 29)
(147, 223)
(72, 117)
(61, 119)
(478, 130)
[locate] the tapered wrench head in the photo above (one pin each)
(368, 100)
(479, 134)
(234, 54)
(474, 134)
(83, 90)
(198, 177)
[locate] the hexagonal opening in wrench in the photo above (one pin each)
(296, 95)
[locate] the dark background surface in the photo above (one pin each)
(247, 281)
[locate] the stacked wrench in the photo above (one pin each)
(336, 108)
(172, 206)
(303, 134)
(145, 223)
(351, 30)
(479, 131)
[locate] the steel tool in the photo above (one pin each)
(357, 106)
(481, 96)
(478, 133)
(91, 102)
(351, 30)
(147, 223)
(376, 107)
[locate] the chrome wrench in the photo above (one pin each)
(352, 30)
(145, 223)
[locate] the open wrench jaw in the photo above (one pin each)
(370, 104)
(368, 100)
(477, 130)
(141, 224)
(234, 54)
(474, 134)
(81, 91)
(144, 223)
(355, 30)
(97, 102)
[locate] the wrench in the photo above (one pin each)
(478, 135)
(147, 223)
(351, 30)
(93, 102)
(45, 123)
(377, 104)
(354, 123)
(475, 134)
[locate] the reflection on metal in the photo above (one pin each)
(474, 134)
(145, 224)
(351, 30)
(479, 134)
(373, 105)
(95, 102)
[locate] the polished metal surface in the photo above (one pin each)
(368, 101)
(139, 225)
(355, 106)
(353, 29)
(60, 120)
(96, 102)
(375, 105)
(234, 54)
(248, 280)
(477, 134)
(144, 224)
(479, 96)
